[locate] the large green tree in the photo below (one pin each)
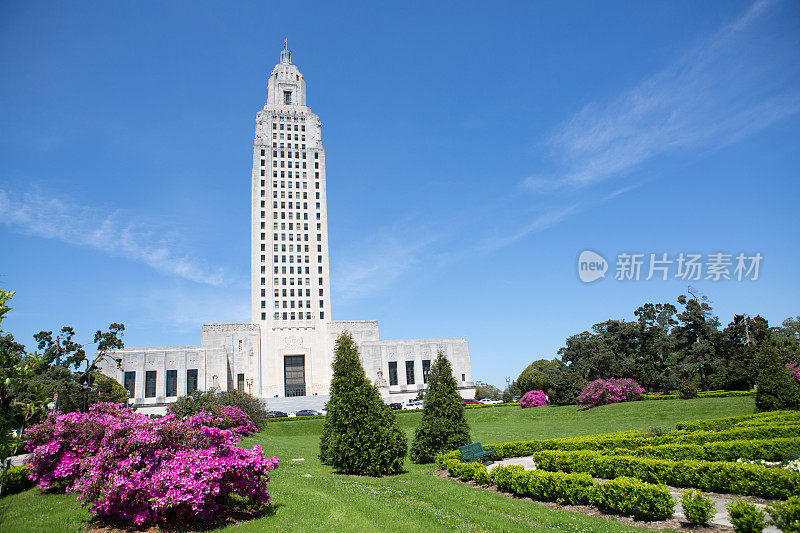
(443, 426)
(484, 390)
(360, 434)
(695, 336)
(655, 322)
(776, 388)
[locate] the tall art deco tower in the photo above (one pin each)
(285, 354)
(290, 275)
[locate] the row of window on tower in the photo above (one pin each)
(290, 211)
(292, 316)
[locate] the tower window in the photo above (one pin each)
(287, 97)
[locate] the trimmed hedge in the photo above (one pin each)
(754, 450)
(746, 517)
(632, 497)
(465, 471)
(574, 489)
(610, 441)
(786, 515)
(739, 433)
(768, 442)
(719, 424)
(625, 496)
(735, 478)
(704, 394)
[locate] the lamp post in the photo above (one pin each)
(797, 337)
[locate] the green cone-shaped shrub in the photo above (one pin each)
(443, 427)
(776, 388)
(361, 434)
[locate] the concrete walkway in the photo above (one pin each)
(720, 501)
(19, 460)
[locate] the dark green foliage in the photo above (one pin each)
(443, 426)
(735, 478)
(484, 390)
(771, 449)
(776, 388)
(625, 496)
(746, 517)
(697, 508)
(561, 384)
(360, 434)
(572, 489)
(686, 390)
(631, 497)
(212, 400)
(16, 480)
(508, 396)
(107, 389)
(786, 515)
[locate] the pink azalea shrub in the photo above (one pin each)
(607, 391)
(794, 368)
(534, 398)
(228, 417)
(126, 466)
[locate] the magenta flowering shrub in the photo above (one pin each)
(607, 391)
(227, 417)
(126, 466)
(794, 369)
(534, 398)
(60, 442)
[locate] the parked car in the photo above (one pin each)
(276, 414)
(515, 399)
(396, 406)
(307, 412)
(490, 401)
(413, 405)
(468, 401)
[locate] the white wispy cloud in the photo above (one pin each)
(731, 85)
(381, 258)
(185, 307)
(33, 213)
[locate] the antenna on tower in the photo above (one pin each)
(285, 44)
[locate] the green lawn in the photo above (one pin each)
(308, 497)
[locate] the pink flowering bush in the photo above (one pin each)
(534, 398)
(794, 369)
(227, 417)
(126, 466)
(607, 391)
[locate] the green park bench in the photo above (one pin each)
(474, 451)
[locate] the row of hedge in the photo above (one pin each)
(604, 442)
(703, 394)
(776, 431)
(759, 419)
(778, 449)
(624, 496)
(735, 478)
(632, 440)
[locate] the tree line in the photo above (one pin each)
(58, 372)
(666, 345)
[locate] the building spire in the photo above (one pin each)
(286, 55)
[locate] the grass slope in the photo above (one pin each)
(308, 497)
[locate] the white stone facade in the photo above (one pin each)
(287, 350)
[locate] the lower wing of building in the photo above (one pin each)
(289, 368)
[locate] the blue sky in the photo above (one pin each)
(473, 151)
